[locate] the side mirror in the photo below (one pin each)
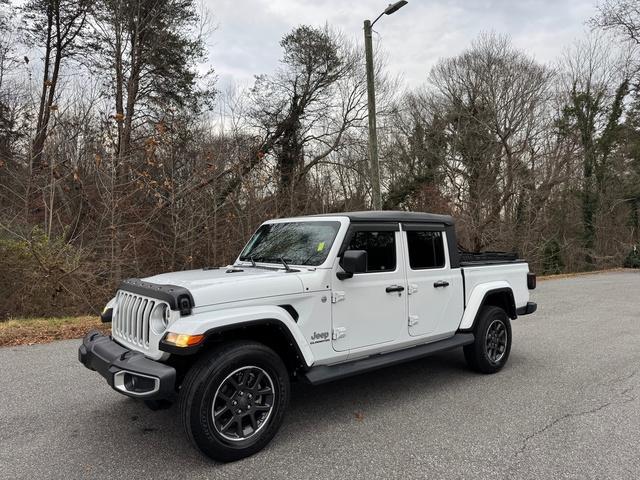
(353, 261)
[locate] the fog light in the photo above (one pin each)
(181, 340)
(138, 384)
(135, 384)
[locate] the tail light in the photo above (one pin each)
(531, 281)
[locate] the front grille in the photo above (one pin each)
(131, 316)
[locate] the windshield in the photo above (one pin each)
(297, 243)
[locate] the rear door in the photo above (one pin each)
(370, 308)
(435, 303)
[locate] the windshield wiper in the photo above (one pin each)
(254, 264)
(286, 265)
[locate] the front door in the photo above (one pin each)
(370, 308)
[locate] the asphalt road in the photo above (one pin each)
(565, 406)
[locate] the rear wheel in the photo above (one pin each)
(490, 350)
(233, 401)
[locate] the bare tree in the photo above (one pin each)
(9, 63)
(486, 104)
(596, 84)
(621, 17)
(306, 108)
(53, 25)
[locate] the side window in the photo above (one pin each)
(380, 247)
(426, 249)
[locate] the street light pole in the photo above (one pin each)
(373, 136)
(376, 197)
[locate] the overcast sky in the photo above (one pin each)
(414, 38)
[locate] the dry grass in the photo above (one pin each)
(44, 330)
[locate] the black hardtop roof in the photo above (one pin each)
(393, 216)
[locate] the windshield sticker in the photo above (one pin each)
(320, 246)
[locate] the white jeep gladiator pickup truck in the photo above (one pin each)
(315, 298)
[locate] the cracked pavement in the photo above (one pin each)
(565, 406)
(623, 397)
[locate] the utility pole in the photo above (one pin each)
(374, 165)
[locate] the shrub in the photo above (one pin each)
(633, 258)
(552, 258)
(45, 276)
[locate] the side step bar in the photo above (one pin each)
(328, 373)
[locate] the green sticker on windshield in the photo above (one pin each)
(320, 246)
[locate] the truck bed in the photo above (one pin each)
(514, 272)
(487, 258)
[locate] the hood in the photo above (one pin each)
(212, 286)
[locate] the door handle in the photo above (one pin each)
(440, 283)
(394, 288)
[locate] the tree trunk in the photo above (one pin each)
(119, 94)
(40, 136)
(133, 83)
(589, 206)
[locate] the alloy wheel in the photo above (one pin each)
(243, 403)
(496, 341)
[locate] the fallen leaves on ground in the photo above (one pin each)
(45, 330)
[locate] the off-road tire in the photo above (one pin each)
(212, 373)
(482, 355)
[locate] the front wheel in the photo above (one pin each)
(490, 350)
(233, 400)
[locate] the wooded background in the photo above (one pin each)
(120, 158)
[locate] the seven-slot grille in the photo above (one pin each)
(131, 317)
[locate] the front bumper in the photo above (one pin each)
(127, 371)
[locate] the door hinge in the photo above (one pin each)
(337, 296)
(413, 288)
(338, 333)
(413, 320)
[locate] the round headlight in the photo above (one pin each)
(159, 319)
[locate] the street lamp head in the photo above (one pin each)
(394, 7)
